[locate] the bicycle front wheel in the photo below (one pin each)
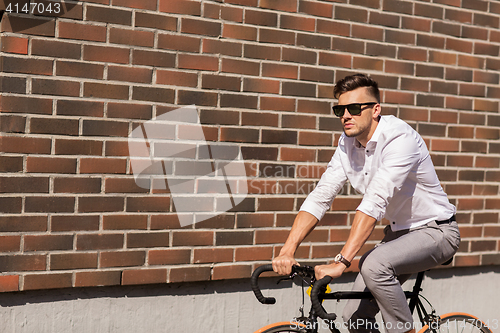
(283, 327)
(457, 322)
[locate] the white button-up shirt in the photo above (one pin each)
(394, 173)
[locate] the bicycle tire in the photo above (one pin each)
(457, 322)
(283, 327)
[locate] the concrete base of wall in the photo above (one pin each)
(220, 306)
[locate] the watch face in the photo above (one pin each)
(338, 258)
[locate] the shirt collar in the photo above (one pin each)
(378, 130)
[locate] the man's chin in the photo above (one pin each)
(350, 133)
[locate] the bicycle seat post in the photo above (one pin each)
(417, 288)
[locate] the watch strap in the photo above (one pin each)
(340, 258)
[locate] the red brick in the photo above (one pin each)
(153, 21)
(148, 204)
(277, 103)
(201, 27)
(261, 85)
(11, 44)
(316, 8)
(234, 238)
(231, 272)
(169, 257)
(467, 260)
(122, 259)
(100, 204)
(48, 242)
(10, 244)
(257, 17)
(147, 240)
(109, 15)
(55, 87)
(106, 54)
(28, 25)
(189, 7)
(240, 66)
(11, 205)
(57, 49)
(80, 108)
(12, 263)
(24, 185)
(474, 32)
(459, 45)
(51, 204)
(325, 251)
(153, 58)
(131, 37)
(193, 238)
(23, 223)
(16, 104)
(284, 5)
(444, 145)
(354, 14)
(275, 204)
(275, 36)
(105, 90)
(67, 261)
(127, 111)
(230, 14)
(470, 61)
(303, 23)
(97, 278)
(47, 281)
(216, 255)
(189, 274)
(105, 128)
(239, 32)
(253, 253)
(74, 223)
(144, 276)
(78, 69)
(199, 62)
(86, 242)
(297, 154)
(77, 185)
(130, 74)
(78, 147)
(9, 283)
(144, 4)
(178, 42)
(185, 97)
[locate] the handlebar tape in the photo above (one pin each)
(255, 285)
(320, 286)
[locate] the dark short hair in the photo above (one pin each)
(355, 81)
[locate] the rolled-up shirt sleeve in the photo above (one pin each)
(332, 180)
(398, 159)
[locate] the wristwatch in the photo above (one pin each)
(341, 259)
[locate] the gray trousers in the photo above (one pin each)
(388, 265)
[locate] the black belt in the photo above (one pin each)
(448, 221)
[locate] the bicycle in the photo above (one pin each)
(431, 322)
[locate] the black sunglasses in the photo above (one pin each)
(354, 108)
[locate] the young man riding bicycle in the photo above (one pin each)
(388, 162)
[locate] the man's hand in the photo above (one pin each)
(283, 264)
(333, 270)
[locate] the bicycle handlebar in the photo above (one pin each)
(319, 287)
(255, 285)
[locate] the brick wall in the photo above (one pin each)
(76, 83)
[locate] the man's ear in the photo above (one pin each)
(377, 109)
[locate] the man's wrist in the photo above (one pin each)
(340, 259)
